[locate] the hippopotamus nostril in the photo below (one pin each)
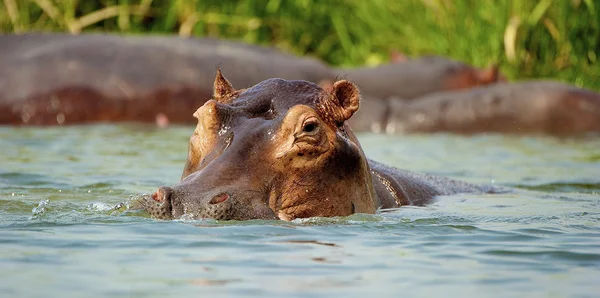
(162, 194)
(160, 204)
(219, 198)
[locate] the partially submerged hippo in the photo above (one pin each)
(413, 78)
(58, 79)
(48, 79)
(282, 150)
(535, 107)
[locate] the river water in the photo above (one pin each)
(61, 235)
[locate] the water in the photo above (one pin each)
(61, 236)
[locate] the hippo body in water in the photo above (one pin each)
(534, 107)
(49, 79)
(57, 79)
(414, 78)
(282, 150)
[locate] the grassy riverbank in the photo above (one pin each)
(543, 39)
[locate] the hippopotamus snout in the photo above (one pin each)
(169, 203)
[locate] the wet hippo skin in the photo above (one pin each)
(535, 107)
(282, 150)
(50, 79)
(413, 78)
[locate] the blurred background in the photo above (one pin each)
(557, 39)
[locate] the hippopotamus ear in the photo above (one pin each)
(346, 97)
(222, 88)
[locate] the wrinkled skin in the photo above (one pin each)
(535, 107)
(282, 150)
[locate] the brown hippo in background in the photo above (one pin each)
(65, 79)
(282, 150)
(410, 79)
(49, 79)
(536, 107)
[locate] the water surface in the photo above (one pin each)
(61, 235)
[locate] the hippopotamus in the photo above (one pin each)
(58, 79)
(529, 107)
(282, 149)
(413, 78)
(49, 79)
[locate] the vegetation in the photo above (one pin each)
(529, 39)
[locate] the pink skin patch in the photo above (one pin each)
(157, 196)
(219, 199)
(162, 120)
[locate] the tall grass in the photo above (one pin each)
(557, 39)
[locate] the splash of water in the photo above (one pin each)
(39, 209)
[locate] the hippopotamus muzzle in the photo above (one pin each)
(171, 203)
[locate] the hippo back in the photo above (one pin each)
(37, 67)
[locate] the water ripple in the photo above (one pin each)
(67, 199)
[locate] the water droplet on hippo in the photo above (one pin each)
(25, 117)
(60, 118)
(272, 134)
(223, 130)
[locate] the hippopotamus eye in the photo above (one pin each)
(309, 127)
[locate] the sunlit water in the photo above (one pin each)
(60, 235)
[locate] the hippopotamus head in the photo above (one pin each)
(278, 150)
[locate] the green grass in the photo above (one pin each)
(557, 39)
